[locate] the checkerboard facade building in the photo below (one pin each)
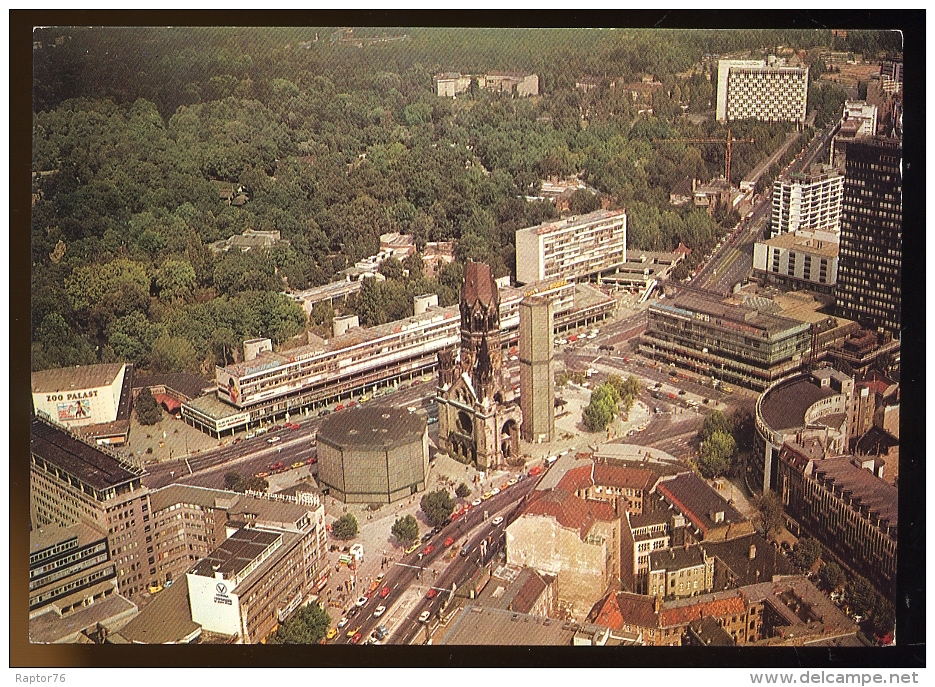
(753, 90)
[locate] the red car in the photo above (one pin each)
(385, 592)
(351, 404)
(277, 466)
(356, 638)
(432, 593)
(535, 471)
(293, 426)
(427, 550)
(338, 407)
(449, 541)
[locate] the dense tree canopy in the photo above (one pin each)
(405, 529)
(308, 625)
(333, 145)
(345, 527)
(437, 506)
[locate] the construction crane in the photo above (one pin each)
(729, 140)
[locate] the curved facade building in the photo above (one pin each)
(815, 404)
(373, 455)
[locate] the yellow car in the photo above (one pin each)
(299, 464)
(486, 496)
(351, 633)
(413, 547)
(155, 588)
(332, 633)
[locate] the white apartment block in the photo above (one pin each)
(801, 259)
(571, 248)
(757, 89)
(863, 112)
(808, 201)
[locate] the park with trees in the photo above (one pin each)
(332, 146)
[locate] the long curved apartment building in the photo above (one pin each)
(269, 384)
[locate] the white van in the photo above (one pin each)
(357, 551)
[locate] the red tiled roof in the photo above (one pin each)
(606, 612)
(684, 614)
(167, 402)
(607, 476)
(576, 478)
(617, 476)
(569, 510)
(633, 609)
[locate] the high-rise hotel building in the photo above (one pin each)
(761, 89)
(869, 284)
(571, 248)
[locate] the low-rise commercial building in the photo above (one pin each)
(572, 248)
(731, 343)
(478, 625)
(798, 260)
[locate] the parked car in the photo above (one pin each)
(323, 412)
(361, 601)
(414, 547)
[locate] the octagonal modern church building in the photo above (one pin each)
(373, 454)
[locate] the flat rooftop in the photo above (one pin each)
(75, 378)
(166, 619)
(50, 628)
(236, 553)
(51, 535)
(477, 625)
(690, 303)
(371, 426)
(353, 337)
(802, 244)
(88, 464)
(574, 221)
(784, 406)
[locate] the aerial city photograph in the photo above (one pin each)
(446, 336)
